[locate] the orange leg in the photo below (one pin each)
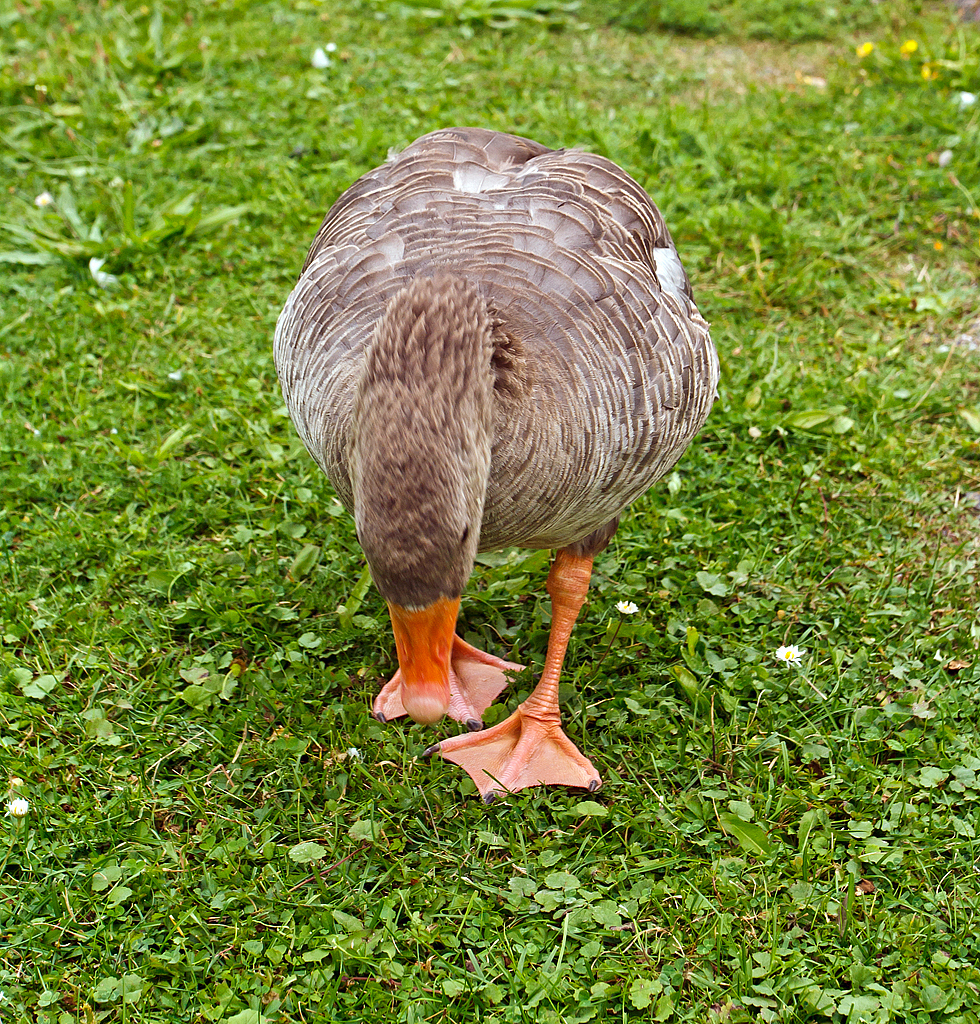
(529, 748)
(475, 680)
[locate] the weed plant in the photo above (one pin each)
(217, 830)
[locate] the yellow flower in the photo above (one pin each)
(928, 73)
(864, 49)
(938, 246)
(909, 46)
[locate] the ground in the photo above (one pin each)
(216, 829)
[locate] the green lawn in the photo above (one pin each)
(188, 646)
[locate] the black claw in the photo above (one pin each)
(594, 785)
(381, 718)
(473, 724)
(492, 796)
(429, 751)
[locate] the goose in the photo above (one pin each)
(491, 344)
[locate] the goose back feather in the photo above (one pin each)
(603, 367)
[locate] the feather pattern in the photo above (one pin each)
(603, 367)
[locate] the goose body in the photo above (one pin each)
(490, 344)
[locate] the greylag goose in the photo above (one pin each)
(491, 344)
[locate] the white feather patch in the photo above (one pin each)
(670, 273)
(476, 180)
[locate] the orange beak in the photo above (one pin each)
(424, 640)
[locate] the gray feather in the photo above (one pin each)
(604, 368)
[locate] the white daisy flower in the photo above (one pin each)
(626, 608)
(791, 654)
(965, 99)
(320, 59)
(176, 375)
(44, 199)
(353, 753)
(17, 807)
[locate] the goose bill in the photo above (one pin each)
(424, 638)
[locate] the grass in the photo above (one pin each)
(218, 831)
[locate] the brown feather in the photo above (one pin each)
(574, 363)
